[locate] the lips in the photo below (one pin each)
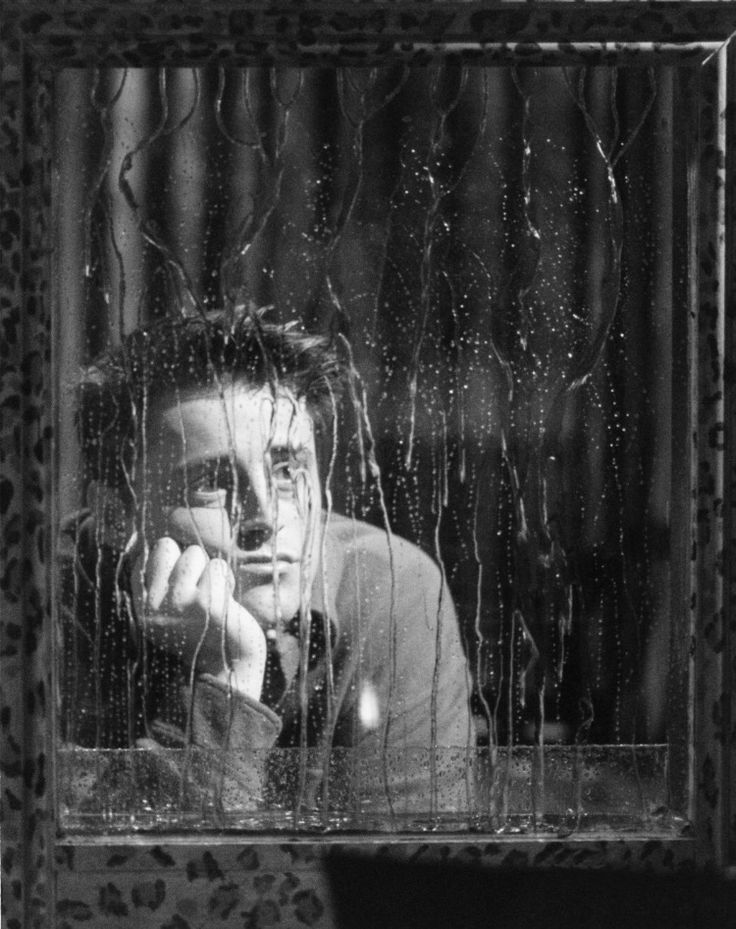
(251, 558)
(265, 563)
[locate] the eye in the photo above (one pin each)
(284, 468)
(284, 472)
(209, 484)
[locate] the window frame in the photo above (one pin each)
(45, 873)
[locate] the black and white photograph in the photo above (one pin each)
(367, 474)
(373, 444)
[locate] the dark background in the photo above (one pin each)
(370, 893)
(504, 252)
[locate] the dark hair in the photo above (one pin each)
(175, 354)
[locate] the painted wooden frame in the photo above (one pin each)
(186, 881)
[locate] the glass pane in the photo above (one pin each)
(374, 479)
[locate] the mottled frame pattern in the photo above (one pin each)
(178, 883)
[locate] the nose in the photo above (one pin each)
(253, 534)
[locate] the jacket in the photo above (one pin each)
(364, 715)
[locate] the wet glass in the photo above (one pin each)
(499, 258)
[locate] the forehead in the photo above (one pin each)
(232, 418)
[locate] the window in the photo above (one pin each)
(519, 259)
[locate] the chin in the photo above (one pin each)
(262, 603)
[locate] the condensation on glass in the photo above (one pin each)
(499, 256)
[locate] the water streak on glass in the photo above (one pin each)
(490, 253)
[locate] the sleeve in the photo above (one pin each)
(420, 745)
(96, 642)
(217, 763)
(232, 735)
(430, 739)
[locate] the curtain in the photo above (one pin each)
(502, 251)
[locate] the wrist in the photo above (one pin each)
(242, 676)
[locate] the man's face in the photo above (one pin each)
(235, 472)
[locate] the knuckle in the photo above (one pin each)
(195, 553)
(166, 545)
(177, 599)
(212, 602)
(220, 571)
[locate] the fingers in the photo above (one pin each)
(183, 585)
(161, 560)
(215, 587)
(176, 581)
(188, 605)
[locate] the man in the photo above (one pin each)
(266, 652)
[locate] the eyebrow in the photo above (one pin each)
(226, 462)
(289, 447)
(220, 461)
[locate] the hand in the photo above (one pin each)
(185, 599)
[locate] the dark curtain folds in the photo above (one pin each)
(495, 245)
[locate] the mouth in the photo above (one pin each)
(266, 563)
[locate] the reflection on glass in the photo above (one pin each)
(369, 521)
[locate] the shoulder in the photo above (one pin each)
(353, 542)
(372, 577)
